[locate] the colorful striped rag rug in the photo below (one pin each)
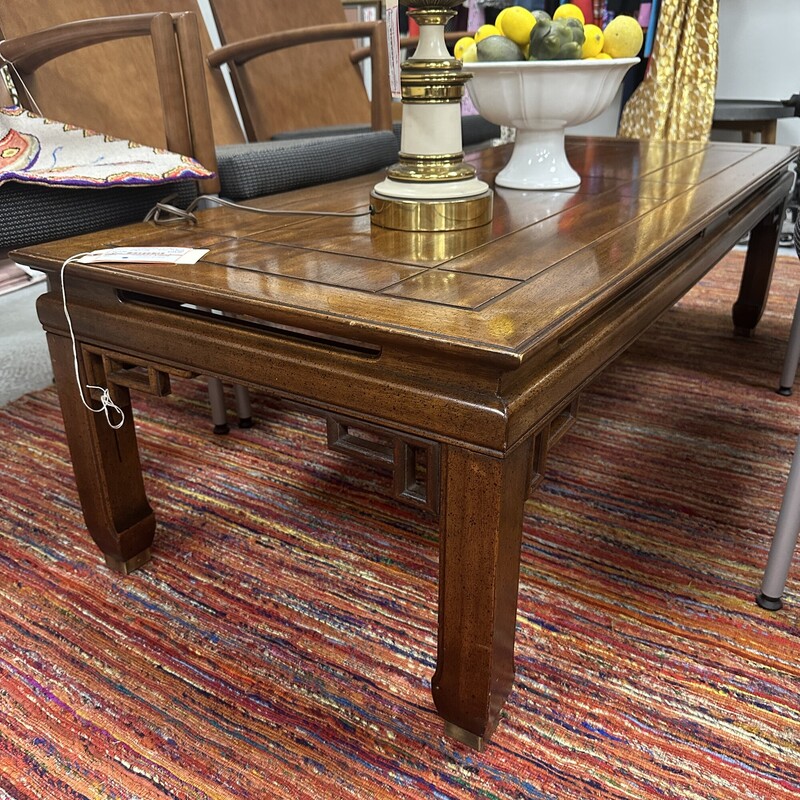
(281, 642)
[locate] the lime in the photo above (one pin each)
(569, 10)
(498, 48)
(461, 45)
(593, 43)
(518, 23)
(623, 37)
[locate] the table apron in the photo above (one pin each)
(427, 393)
(582, 354)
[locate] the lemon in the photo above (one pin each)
(470, 54)
(623, 37)
(593, 43)
(498, 22)
(518, 23)
(486, 30)
(602, 57)
(569, 10)
(461, 45)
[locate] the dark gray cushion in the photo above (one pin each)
(474, 130)
(316, 133)
(32, 214)
(261, 168)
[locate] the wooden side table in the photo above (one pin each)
(751, 117)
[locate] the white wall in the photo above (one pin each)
(205, 10)
(759, 54)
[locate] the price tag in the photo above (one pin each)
(393, 35)
(144, 255)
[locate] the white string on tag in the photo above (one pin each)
(107, 405)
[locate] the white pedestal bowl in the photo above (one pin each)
(540, 99)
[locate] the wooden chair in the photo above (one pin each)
(305, 76)
(58, 69)
(170, 53)
(96, 75)
(272, 49)
(245, 169)
(183, 125)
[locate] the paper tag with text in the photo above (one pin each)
(144, 255)
(393, 35)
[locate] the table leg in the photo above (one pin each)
(769, 133)
(757, 275)
(482, 503)
(107, 468)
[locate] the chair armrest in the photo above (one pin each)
(31, 51)
(242, 51)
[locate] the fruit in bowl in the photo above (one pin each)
(567, 74)
(539, 37)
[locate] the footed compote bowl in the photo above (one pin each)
(540, 99)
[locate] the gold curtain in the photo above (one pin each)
(676, 98)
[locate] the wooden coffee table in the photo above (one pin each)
(465, 352)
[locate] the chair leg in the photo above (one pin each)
(216, 397)
(784, 542)
(243, 409)
(792, 354)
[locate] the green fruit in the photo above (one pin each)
(571, 50)
(555, 40)
(577, 30)
(541, 16)
(498, 48)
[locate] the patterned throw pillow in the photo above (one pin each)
(40, 151)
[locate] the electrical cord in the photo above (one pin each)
(165, 213)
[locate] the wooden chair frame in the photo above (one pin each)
(184, 101)
(238, 53)
(178, 58)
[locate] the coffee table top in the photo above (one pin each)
(547, 261)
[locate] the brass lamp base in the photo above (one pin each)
(415, 214)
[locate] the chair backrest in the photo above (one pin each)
(308, 86)
(174, 60)
(87, 82)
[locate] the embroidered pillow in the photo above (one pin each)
(41, 151)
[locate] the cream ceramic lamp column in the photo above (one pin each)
(431, 188)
